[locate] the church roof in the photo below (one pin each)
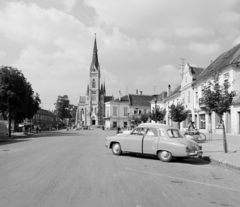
(226, 59)
(95, 64)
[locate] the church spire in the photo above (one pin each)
(95, 63)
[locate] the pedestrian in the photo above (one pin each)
(118, 129)
(37, 129)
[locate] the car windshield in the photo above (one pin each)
(174, 133)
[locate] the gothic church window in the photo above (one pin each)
(93, 83)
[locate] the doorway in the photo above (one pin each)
(93, 122)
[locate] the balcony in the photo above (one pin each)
(201, 103)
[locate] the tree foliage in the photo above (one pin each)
(144, 117)
(17, 99)
(217, 98)
(158, 115)
(177, 113)
(63, 108)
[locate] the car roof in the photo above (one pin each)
(156, 125)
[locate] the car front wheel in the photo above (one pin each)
(116, 149)
(165, 156)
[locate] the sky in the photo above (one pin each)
(141, 43)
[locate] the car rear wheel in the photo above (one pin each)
(116, 149)
(165, 156)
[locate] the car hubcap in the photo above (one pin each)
(116, 148)
(165, 154)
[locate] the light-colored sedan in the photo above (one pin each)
(157, 139)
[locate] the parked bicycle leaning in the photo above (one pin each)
(194, 133)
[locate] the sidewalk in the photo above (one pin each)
(213, 150)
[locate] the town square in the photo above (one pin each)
(119, 103)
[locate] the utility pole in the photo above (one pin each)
(182, 66)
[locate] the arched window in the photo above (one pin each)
(93, 83)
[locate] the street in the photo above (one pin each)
(73, 168)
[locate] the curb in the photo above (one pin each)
(221, 162)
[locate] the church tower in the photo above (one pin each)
(94, 88)
(91, 107)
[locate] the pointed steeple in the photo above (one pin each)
(87, 93)
(104, 89)
(95, 63)
(101, 89)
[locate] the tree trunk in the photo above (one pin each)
(178, 125)
(224, 138)
(9, 124)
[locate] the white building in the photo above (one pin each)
(227, 65)
(120, 112)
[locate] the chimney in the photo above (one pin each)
(137, 92)
(169, 90)
(140, 92)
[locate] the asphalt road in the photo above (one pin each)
(73, 168)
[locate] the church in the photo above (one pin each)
(91, 107)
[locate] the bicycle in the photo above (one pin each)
(201, 136)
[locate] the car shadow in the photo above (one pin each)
(189, 161)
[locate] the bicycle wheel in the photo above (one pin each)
(201, 137)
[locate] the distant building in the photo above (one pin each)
(43, 118)
(91, 108)
(121, 111)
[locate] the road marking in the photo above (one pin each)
(200, 183)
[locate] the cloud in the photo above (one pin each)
(69, 4)
(193, 32)
(156, 44)
(2, 54)
(203, 49)
(169, 75)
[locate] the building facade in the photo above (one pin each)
(123, 110)
(91, 107)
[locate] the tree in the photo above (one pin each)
(17, 99)
(160, 114)
(63, 108)
(218, 99)
(144, 117)
(178, 113)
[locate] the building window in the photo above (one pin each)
(115, 111)
(196, 97)
(226, 76)
(188, 96)
(202, 121)
(183, 98)
(93, 83)
(125, 111)
(107, 112)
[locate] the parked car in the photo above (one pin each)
(157, 139)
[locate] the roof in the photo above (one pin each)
(140, 100)
(196, 71)
(175, 92)
(156, 125)
(229, 57)
(136, 99)
(95, 63)
(108, 98)
(161, 96)
(45, 112)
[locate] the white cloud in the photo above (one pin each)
(156, 44)
(2, 54)
(193, 32)
(203, 49)
(169, 75)
(69, 4)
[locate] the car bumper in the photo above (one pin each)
(195, 154)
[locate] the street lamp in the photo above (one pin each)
(155, 99)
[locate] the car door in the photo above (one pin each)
(150, 141)
(133, 143)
